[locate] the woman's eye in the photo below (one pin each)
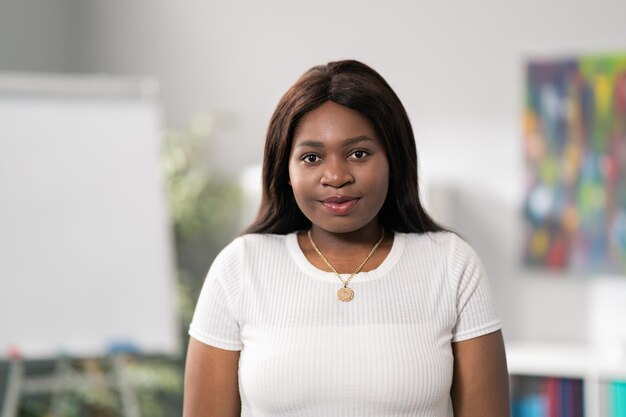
(360, 154)
(310, 158)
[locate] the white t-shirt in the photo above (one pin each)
(304, 353)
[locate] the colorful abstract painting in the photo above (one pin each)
(575, 149)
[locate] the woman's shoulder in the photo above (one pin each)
(259, 240)
(252, 243)
(442, 239)
(233, 259)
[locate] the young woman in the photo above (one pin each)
(344, 298)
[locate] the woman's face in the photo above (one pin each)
(338, 169)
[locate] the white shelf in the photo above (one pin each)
(559, 360)
(562, 360)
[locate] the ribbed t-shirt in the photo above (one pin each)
(305, 353)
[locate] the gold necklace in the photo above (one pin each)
(345, 293)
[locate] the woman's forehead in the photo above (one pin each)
(332, 121)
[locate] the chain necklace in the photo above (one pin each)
(345, 293)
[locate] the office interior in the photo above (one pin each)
(218, 68)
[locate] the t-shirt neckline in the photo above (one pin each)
(397, 248)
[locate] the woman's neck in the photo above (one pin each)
(345, 251)
(364, 238)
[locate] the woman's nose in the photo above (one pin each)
(336, 174)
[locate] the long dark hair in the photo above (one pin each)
(354, 85)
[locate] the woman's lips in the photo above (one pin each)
(340, 205)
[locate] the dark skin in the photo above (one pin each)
(336, 153)
(211, 382)
(343, 252)
(480, 383)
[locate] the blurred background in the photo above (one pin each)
(153, 115)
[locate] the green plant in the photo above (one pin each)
(204, 206)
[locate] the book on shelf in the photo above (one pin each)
(548, 397)
(617, 394)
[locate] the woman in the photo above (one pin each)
(344, 298)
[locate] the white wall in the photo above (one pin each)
(38, 35)
(457, 66)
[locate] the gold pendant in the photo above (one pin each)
(345, 294)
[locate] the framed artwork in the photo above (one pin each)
(575, 151)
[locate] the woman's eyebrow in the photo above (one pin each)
(347, 142)
(357, 139)
(310, 143)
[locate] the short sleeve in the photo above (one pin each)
(215, 320)
(475, 307)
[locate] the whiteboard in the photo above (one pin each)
(86, 258)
